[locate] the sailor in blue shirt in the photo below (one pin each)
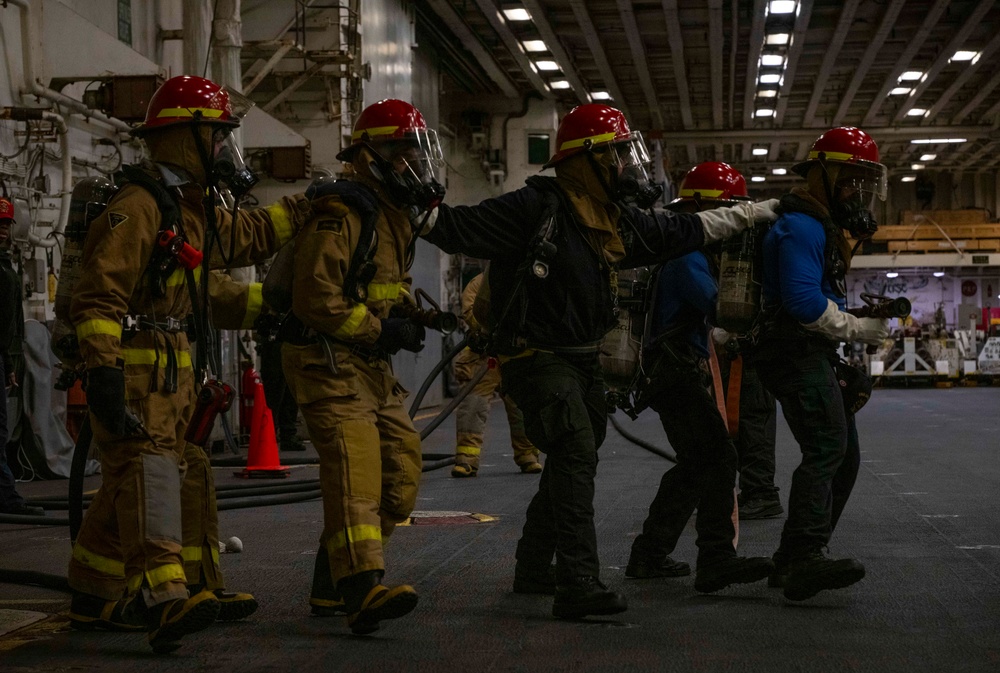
(677, 386)
(806, 256)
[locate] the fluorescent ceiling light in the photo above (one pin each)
(600, 95)
(936, 141)
(781, 6)
(759, 151)
(908, 178)
(517, 14)
(771, 78)
(965, 56)
(764, 112)
(778, 171)
(928, 157)
(767, 93)
(758, 178)
(938, 274)
(891, 274)
(917, 167)
(917, 112)
(772, 60)
(559, 84)
(900, 90)
(777, 39)
(911, 76)
(547, 65)
(534, 45)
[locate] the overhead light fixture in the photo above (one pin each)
(900, 90)
(777, 39)
(939, 274)
(764, 112)
(965, 56)
(778, 171)
(516, 14)
(600, 95)
(936, 141)
(908, 178)
(547, 65)
(767, 93)
(911, 76)
(758, 178)
(917, 167)
(917, 112)
(781, 6)
(928, 157)
(559, 84)
(769, 78)
(772, 60)
(891, 274)
(534, 45)
(759, 151)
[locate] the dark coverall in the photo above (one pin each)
(549, 359)
(677, 386)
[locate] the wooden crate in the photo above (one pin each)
(955, 231)
(984, 244)
(946, 217)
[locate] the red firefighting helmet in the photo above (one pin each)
(712, 181)
(848, 146)
(389, 119)
(187, 99)
(586, 126)
(6, 209)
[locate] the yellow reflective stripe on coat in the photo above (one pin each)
(353, 322)
(97, 562)
(281, 222)
(89, 328)
(353, 534)
(255, 302)
(167, 573)
(179, 275)
(147, 356)
(580, 142)
(383, 291)
(468, 450)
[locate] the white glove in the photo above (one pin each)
(417, 218)
(722, 223)
(846, 327)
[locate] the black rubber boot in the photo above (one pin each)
(324, 599)
(760, 509)
(734, 570)
(642, 567)
(586, 596)
(810, 574)
(87, 612)
(168, 622)
(369, 602)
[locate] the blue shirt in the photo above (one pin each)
(686, 293)
(794, 268)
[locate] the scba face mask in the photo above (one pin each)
(854, 198)
(407, 168)
(632, 181)
(229, 167)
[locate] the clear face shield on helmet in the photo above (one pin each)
(414, 162)
(857, 193)
(634, 180)
(229, 166)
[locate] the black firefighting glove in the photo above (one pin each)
(106, 398)
(401, 333)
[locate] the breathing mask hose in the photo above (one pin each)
(462, 394)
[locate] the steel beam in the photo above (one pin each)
(268, 67)
(716, 40)
(986, 56)
(791, 64)
(292, 88)
(944, 57)
(676, 42)
(977, 100)
(596, 47)
(912, 47)
(555, 46)
(895, 133)
(753, 60)
(830, 59)
(639, 60)
(471, 42)
(492, 14)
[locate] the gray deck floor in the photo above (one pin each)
(923, 518)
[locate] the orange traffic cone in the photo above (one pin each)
(262, 459)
